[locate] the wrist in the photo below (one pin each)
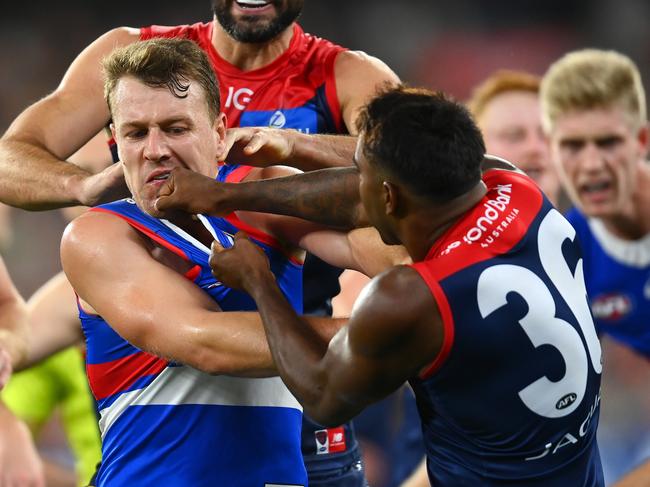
(75, 189)
(260, 283)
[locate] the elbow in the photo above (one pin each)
(329, 418)
(330, 410)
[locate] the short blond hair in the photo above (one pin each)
(590, 79)
(170, 63)
(502, 81)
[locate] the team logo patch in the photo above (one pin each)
(278, 120)
(331, 440)
(611, 307)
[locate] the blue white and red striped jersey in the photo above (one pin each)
(617, 272)
(166, 423)
(513, 397)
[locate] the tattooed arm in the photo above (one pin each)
(327, 196)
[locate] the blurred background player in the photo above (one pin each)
(19, 461)
(594, 112)
(506, 108)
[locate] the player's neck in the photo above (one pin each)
(248, 57)
(633, 222)
(421, 230)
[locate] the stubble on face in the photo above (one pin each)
(256, 29)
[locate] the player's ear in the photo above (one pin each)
(643, 135)
(219, 128)
(390, 197)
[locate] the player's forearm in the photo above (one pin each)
(14, 331)
(234, 343)
(312, 152)
(327, 196)
(33, 179)
(296, 347)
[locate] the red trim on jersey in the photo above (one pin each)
(236, 175)
(447, 320)
(148, 232)
(109, 378)
(331, 94)
(475, 237)
(193, 273)
(261, 236)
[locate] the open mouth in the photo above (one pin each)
(596, 187)
(597, 191)
(158, 176)
(252, 4)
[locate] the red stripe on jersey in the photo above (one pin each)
(118, 375)
(332, 95)
(193, 273)
(237, 174)
(148, 232)
(447, 320)
(261, 236)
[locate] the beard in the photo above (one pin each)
(251, 29)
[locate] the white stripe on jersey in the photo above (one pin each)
(186, 385)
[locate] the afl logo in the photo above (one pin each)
(278, 120)
(566, 401)
(611, 307)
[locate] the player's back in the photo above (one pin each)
(513, 398)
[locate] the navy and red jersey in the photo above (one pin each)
(297, 90)
(165, 423)
(513, 397)
(617, 272)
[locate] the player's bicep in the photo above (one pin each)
(358, 79)
(68, 117)
(393, 332)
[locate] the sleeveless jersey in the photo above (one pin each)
(164, 423)
(296, 91)
(513, 397)
(618, 282)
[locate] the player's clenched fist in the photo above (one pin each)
(192, 192)
(241, 266)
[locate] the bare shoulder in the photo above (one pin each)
(93, 234)
(89, 60)
(348, 64)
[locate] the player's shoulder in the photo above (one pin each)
(350, 62)
(396, 307)
(119, 36)
(93, 232)
(398, 291)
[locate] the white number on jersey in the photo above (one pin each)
(542, 396)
